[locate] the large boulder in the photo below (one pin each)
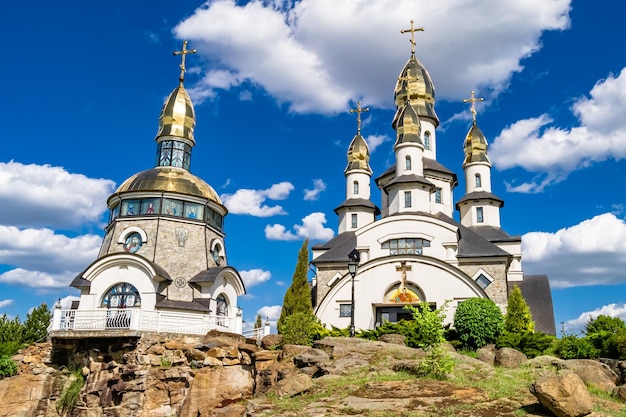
(272, 341)
(396, 339)
(565, 395)
(486, 354)
(593, 373)
(292, 385)
(509, 358)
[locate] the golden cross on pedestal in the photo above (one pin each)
(403, 268)
(473, 100)
(184, 52)
(358, 112)
(412, 30)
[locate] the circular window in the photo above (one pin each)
(133, 242)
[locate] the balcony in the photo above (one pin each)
(134, 321)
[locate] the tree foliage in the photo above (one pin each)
(518, 318)
(258, 323)
(530, 343)
(607, 335)
(604, 323)
(36, 324)
(300, 329)
(298, 296)
(574, 347)
(478, 321)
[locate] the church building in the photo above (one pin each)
(162, 266)
(411, 249)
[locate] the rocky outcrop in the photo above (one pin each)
(509, 358)
(565, 395)
(593, 373)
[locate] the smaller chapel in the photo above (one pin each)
(162, 266)
(412, 250)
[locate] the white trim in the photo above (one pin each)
(334, 279)
(132, 229)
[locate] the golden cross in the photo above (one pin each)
(358, 112)
(412, 30)
(403, 268)
(473, 100)
(184, 52)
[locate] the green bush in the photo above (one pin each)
(300, 329)
(438, 364)
(407, 328)
(518, 318)
(8, 367)
(604, 323)
(573, 347)
(531, 344)
(478, 321)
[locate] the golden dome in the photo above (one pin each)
(407, 125)
(358, 154)
(414, 83)
(169, 179)
(178, 118)
(475, 146)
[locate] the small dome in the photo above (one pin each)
(169, 179)
(415, 80)
(358, 155)
(407, 125)
(475, 146)
(178, 118)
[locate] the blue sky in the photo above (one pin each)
(272, 83)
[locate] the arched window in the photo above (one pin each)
(221, 309)
(427, 140)
(478, 180)
(121, 295)
(217, 249)
(355, 187)
(407, 163)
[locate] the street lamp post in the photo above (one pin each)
(353, 266)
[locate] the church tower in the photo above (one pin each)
(162, 264)
(478, 207)
(357, 210)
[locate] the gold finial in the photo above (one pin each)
(473, 100)
(358, 112)
(184, 52)
(412, 30)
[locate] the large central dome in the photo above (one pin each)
(168, 179)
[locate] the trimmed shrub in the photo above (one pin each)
(573, 347)
(518, 318)
(300, 329)
(531, 344)
(478, 321)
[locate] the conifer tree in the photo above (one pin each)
(259, 322)
(518, 318)
(36, 324)
(298, 296)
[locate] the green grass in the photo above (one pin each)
(71, 393)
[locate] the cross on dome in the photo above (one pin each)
(473, 100)
(183, 53)
(412, 31)
(358, 112)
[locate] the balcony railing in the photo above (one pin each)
(139, 320)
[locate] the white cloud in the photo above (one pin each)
(43, 195)
(36, 279)
(246, 201)
(66, 302)
(578, 324)
(44, 250)
(589, 253)
(317, 55)
(312, 228)
(552, 152)
(374, 141)
(4, 303)
(254, 277)
(271, 313)
(318, 187)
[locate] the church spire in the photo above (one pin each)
(358, 151)
(475, 144)
(176, 123)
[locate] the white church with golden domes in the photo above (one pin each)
(412, 250)
(162, 266)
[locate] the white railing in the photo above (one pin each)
(136, 319)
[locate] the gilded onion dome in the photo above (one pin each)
(475, 146)
(168, 179)
(415, 84)
(407, 125)
(177, 119)
(358, 155)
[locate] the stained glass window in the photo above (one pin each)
(405, 246)
(150, 206)
(345, 310)
(122, 295)
(194, 211)
(173, 153)
(172, 207)
(130, 207)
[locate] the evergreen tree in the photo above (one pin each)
(298, 296)
(259, 322)
(36, 324)
(518, 318)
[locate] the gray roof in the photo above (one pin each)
(337, 249)
(358, 202)
(536, 292)
(410, 178)
(429, 165)
(471, 244)
(495, 234)
(480, 195)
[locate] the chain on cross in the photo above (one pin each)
(358, 112)
(473, 100)
(183, 53)
(412, 31)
